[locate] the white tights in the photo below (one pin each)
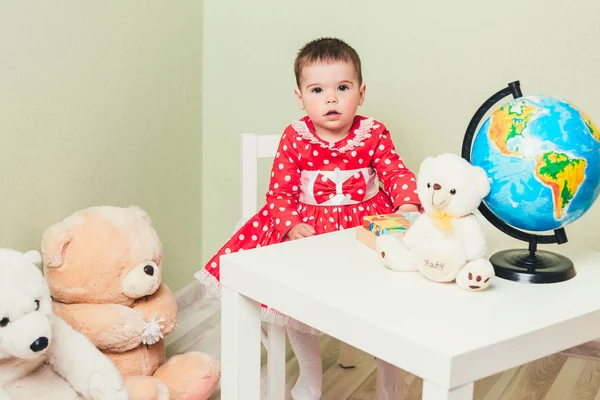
(390, 382)
(308, 353)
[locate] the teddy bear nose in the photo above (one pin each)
(149, 270)
(40, 344)
(436, 186)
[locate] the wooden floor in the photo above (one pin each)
(558, 377)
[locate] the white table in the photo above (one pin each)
(445, 335)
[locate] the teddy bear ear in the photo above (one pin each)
(56, 239)
(139, 212)
(34, 257)
(483, 181)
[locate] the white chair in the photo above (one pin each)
(255, 147)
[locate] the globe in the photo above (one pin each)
(542, 156)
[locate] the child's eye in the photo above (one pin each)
(343, 88)
(317, 90)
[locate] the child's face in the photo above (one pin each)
(330, 93)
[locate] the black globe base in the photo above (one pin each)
(521, 265)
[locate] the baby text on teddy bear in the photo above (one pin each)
(437, 265)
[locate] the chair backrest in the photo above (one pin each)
(254, 147)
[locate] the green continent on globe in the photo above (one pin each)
(564, 175)
(590, 124)
(508, 122)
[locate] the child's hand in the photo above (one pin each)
(407, 208)
(301, 230)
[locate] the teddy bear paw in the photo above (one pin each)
(107, 386)
(394, 254)
(476, 275)
(142, 387)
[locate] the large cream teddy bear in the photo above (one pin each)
(447, 242)
(41, 357)
(104, 267)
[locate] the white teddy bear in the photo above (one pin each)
(447, 242)
(41, 356)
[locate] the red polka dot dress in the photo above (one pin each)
(330, 186)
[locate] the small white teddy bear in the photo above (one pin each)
(41, 356)
(447, 242)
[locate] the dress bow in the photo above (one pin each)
(353, 188)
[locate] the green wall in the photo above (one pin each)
(100, 103)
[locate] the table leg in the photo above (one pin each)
(240, 347)
(434, 392)
(276, 362)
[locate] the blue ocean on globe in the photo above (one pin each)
(542, 156)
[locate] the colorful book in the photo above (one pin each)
(389, 224)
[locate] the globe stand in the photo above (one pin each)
(537, 266)
(532, 265)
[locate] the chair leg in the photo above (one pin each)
(264, 338)
(276, 362)
(347, 356)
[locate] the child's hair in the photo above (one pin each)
(329, 50)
